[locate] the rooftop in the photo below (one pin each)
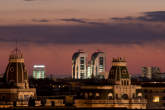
(16, 54)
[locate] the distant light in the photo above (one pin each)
(39, 66)
(156, 99)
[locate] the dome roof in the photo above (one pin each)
(118, 70)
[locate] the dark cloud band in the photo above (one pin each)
(119, 33)
(155, 16)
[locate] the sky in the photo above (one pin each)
(50, 31)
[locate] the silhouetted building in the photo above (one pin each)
(39, 71)
(79, 65)
(158, 76)
(148, 72)
(16, 72)
(15, 88)
(119, 73)
(154, 92)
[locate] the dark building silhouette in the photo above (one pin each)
(119, 73)
(14, 88)
(16, 72)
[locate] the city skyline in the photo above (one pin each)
(50, 31)
(67, 73)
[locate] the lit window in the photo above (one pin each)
(156, 99)
(86, 95)
(110, 94)
(90, 94)
(140, 94)
(97, 94)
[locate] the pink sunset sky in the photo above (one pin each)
(50, 31)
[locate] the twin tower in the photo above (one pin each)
(95, 68)
(84, 69)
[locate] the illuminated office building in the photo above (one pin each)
(98, 64)
(39, 71)
(89, 70)
(79, 65)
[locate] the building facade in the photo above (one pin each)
(149, 72)
(39, 71)
(79, 65)
(89, 70)
(16, 72)
(116, 92)
(154, 92)
(14, 90)
(98, 64)
(146, 72)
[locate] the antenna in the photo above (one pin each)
(16, 46)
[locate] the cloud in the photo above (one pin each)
(82, 21)
(74, 20)
(154, 16)
(70, 20)
(41, 20)
(117, 33)
(157, 16)
(123, 19)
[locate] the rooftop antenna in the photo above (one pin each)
(16, 46)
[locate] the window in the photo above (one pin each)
(52, 103)
(101, 60)
(90, 94)
(86, 95)
(133, 95)
(21, 97)
(125, 96)
(122, 82)
(139, 94)
(116, 96)
(97, 94)
(125, 82)
(110, 94)
(81, 75)
(81, 60)
(82, 67)
(26, 97)
(156, 99)
(124, 71)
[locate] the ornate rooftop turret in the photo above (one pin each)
(16, 54)
(16, 72)
(119, 73)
